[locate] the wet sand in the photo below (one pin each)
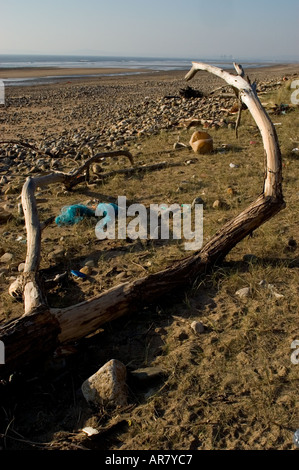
(39, 72)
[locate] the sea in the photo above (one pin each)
(132, 64)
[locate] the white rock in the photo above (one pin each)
(107, 386)
(6, 258)
(90, 431)
(277, 295)
(197, 327)
(21, 267)
(244, 292)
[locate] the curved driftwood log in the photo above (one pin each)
(41, 329)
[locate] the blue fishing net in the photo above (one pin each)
(71, 215)
(104, 209)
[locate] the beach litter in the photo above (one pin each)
(201, 142)
(78, 274)
(73, 214)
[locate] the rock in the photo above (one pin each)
(107, 386)
(56, 255)
(97, 168)
(244, 292)
(230, 191)
(196, 200)
(197, 327)
(291, 246)
(218, 204)
(277, 295)
(90, 262)
(6, 258)
(147, 374)
(21, 267)
(90, 431)
(4, 216)
(201, 142)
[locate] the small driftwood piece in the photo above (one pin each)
(41, 329)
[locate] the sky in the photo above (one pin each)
(266, 29)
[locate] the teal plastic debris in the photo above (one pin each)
(104, 208)
(71, 215)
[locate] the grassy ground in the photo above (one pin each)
(232, 387)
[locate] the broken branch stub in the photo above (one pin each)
(42, 328)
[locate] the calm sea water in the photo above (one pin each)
(131, 63)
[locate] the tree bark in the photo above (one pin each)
(41, 328)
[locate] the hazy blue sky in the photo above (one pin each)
(160, 28)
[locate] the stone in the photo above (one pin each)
(196, 200)
(201, 142)
(97, 168)
(90, 262)
(244, 292)
(56, 255)
(197, 327)
(6, 258)
(90, 431)
(21, 267)
(107, 387)
(147, 374)
(218, 204)
(4, 216)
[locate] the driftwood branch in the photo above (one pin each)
(41, 329)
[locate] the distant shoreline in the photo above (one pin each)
(38, 72)
(33, 76)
